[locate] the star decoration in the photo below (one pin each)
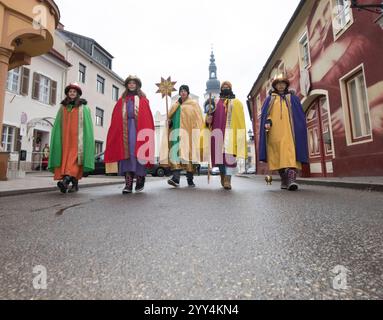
(166, 87)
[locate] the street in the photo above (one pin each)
(256, 242)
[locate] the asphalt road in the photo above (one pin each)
(256, 242)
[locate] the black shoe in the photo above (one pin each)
(74, 187)
(63, 185)
(140, 185)
(174, 183)
(191, 183)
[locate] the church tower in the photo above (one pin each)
(213, 85)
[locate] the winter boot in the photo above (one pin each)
(284, 178)
(63, 185)
(227, 183)
(74, 187)
(292, 180)
(140, 185)
(129, 184)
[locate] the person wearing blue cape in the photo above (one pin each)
(283, 133)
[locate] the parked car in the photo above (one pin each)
(99, 166)
(215, 171)
(159, 171)
(202, 169)
(250, 171)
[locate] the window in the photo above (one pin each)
(342, 15)
(304, 51)
(358, 108)
(44, 89)
(99, 147)
(8, 138)
(99, 56)
(82, 73)
(100, 84)
(13, 80)
(115, 93)
(99, 117)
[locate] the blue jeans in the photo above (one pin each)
(226, 171)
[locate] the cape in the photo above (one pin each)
(235, 141)
(298, 118)
(190, 125)
(118, 150)
(86, 141)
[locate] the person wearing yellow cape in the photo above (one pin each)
(185, 125)
(226, 137)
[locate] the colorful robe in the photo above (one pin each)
(286, 144)
(225, 141)
(182, 144)
(72, 148)
(117, 147)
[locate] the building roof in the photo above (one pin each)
(279, 43)
(59, 57)
(64, 34)
(84, 42)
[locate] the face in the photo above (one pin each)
(72, 94)
(184, 94)
(281, 86)
(132, 85)
(226, 87)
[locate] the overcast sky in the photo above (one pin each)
(154, 38)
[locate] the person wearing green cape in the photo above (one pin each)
(72, 142)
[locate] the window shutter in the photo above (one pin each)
(25, 81)
(17, 142)
(53, 96)
(36, 86)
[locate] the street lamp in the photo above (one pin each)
(377, 8)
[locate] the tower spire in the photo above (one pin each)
(213, 85)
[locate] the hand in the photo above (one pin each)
(209, 120)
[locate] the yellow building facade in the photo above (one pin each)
(26, 30)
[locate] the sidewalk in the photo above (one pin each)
(43, 182)
(359, 183)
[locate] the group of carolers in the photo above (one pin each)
(131, 137)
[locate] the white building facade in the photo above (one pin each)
(34, 94)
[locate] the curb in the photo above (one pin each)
(51, 189)
(336, 184)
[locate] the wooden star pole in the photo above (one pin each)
(166, 88)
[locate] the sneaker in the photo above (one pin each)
(140, 185)
(174, 183)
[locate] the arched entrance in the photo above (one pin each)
(320, 140)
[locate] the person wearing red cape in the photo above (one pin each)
(130, 143)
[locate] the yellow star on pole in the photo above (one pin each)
(166, 87)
